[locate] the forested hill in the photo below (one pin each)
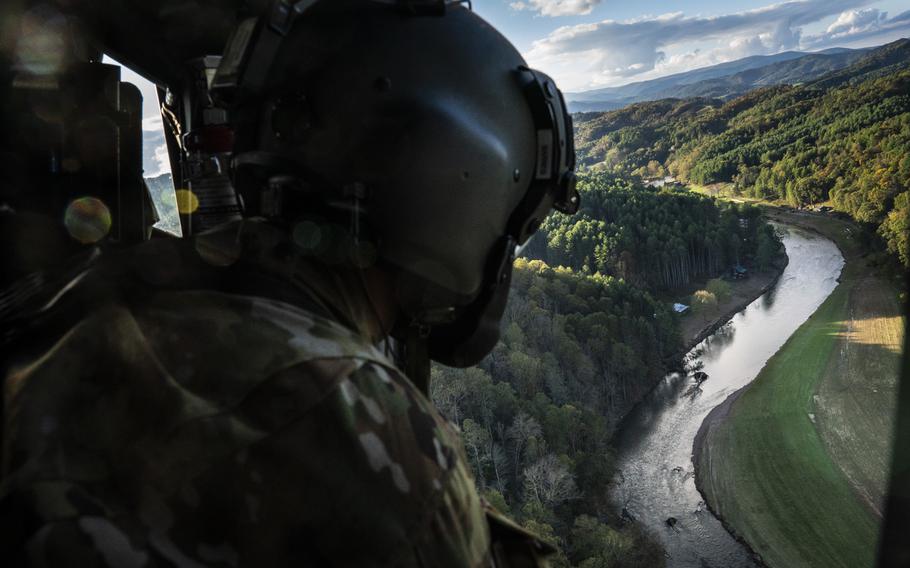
(790, 72)
(656, 239)
(577, 351)
(844, 137)
(723, 81)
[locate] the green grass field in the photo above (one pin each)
(799, 467)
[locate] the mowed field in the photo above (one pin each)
(799, 467)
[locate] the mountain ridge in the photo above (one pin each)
(725, 80)
(843, 137)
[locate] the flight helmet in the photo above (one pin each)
(418, 127)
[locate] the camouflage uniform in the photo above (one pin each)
(184, 426)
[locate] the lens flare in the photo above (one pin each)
(187, 202)
(307, 235)
(41, 49)
(87, 219)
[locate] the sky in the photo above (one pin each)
(586, 44)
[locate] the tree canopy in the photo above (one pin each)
(844, 138)
(577, 352)
(656, 238)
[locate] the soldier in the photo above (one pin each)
(230, 399)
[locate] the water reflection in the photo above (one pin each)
(714, 345)
(656, 480)
(767, 300)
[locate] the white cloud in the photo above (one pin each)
(613, 52)
(556, 7)
(154, 148)
(856, 25)
(162, 161)
(855, 21)
(153, 124)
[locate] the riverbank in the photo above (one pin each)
(859, 385)
(694, 328)
(796, 462)
(654, 448)
(714, 418)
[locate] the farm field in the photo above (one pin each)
(799, 467)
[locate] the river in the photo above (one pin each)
(656, 475)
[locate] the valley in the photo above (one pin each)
(769, 442)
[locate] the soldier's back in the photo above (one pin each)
(190, 426)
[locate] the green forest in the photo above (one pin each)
(651, 238)
(584, 339)
(843, 138)
(589, 330)
(537, 414)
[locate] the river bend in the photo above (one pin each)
(655, 479)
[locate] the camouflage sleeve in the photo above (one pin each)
(332, 461)
(373, 475)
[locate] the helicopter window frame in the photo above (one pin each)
(156, 163)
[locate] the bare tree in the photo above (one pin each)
(549, 482)
(448, 395)
(523, 428)
(500, 465)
